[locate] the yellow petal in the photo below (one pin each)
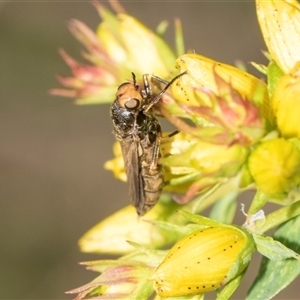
(200, 74)
(280, 25)
(116, 165)
(147, 51)
(210, 158)
(112, 46)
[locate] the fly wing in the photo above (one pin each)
(130, 150)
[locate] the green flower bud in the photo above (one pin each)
(275, 166)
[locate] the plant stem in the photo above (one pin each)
(279, 216)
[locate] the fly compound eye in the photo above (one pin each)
(132, 104)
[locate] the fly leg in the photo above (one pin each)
(155, 155)
(170, 134)
(160, 94)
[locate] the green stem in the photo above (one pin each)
(279, 216)
(215, 193)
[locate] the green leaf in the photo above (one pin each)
(224, 210)
(230, 287)
(272, 249)
(203, 197)
(279, 216)
(145, 290)
(274, 74)
(176, 230)
(184, 178)
(110, 19)
(215, 193)
(179, 40)
(206, 222)
(259, 67)
(273, 275)
(260, 199)
(161, 28)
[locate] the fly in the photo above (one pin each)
(139, 133)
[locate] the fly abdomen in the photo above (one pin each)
(153, 181)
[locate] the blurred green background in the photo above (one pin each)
(53, 186)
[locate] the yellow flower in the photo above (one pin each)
(226, 104)
(121, 45)
(279, 23)
(235, 132)
(135, 43)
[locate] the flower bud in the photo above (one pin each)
(134, 42)
(286, 105)
(112, 234)
(121, 45)
(142, 43)
(209, 159)
(119, 279)
(200, 74)
(203, 261)
(177, 144)
(279, 23)
(275, 166)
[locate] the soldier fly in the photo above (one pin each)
(139, 133)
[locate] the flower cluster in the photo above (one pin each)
(236, 132)
(117, 48)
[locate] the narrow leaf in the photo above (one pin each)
(274, 276)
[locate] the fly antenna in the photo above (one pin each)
(134, 80)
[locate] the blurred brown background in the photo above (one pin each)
(53, 187)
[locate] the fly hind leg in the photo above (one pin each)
(156, 153)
